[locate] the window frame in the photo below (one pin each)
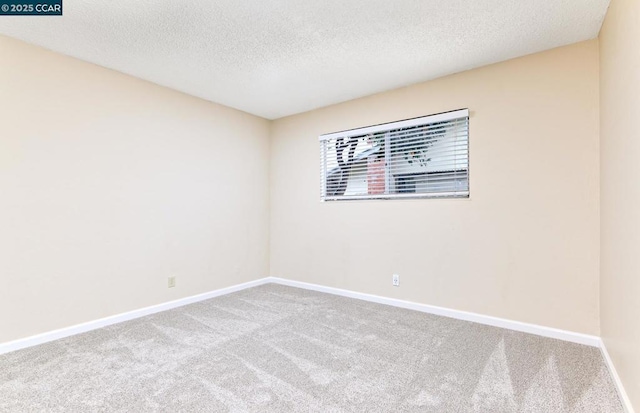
(387, 127)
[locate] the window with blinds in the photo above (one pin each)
(415, 158)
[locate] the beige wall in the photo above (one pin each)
(525, 246)
(620, 202)
(109, 184)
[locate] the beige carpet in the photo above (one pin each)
(280, 349)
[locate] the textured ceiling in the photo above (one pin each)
(275, 58)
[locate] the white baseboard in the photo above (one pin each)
(616, 379)
(118, 318)
(550, 332)
(425, 308)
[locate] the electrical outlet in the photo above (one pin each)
(396, 280)
(172, 282)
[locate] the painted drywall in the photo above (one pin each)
(620, 193)
(110, 184)
(524, 246)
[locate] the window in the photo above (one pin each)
(414, 158)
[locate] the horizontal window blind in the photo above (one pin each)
(414, 158)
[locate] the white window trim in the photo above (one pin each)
(440, 117)
(447, 195)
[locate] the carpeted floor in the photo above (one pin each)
(281, 349)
